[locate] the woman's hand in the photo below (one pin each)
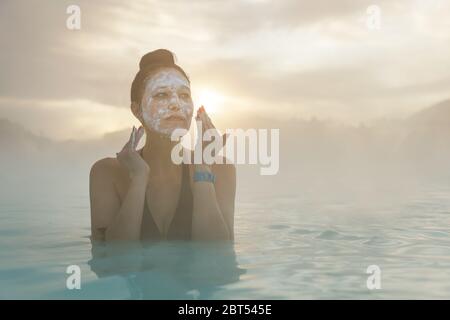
(211, 218)
(207, 125)
(130, 158)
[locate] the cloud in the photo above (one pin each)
(355, 93)
(301, 58)
(66, 119)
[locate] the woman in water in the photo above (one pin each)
(142, 194)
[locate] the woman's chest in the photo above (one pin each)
(162, 199)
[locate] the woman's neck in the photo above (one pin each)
(157, 151)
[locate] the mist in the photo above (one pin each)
(388, 161)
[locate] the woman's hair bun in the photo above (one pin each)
(150, 63)
(157, 57)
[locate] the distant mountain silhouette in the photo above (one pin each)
(428, 139)
(13, 134)
(437, 115)
(310, 150)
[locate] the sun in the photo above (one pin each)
(210, 99)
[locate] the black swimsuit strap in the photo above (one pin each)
(181, 224)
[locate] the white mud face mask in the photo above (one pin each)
(166, 104)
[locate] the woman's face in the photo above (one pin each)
(166, 103)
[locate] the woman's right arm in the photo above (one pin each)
(112, 219)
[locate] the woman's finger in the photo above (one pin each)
(127, 145)
(133, 138)
(208, 119)
(203, 118)
(138, 136)
(225, 137)
(209, 122)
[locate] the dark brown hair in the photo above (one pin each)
(149, 64)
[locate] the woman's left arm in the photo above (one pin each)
(213, 212)
(213, 207)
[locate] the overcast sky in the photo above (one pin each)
(285, 59)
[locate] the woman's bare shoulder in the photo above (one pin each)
(106, 168)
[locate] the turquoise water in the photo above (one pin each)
(286, 248)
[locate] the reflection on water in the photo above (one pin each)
(168, 270)
(287, 247)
